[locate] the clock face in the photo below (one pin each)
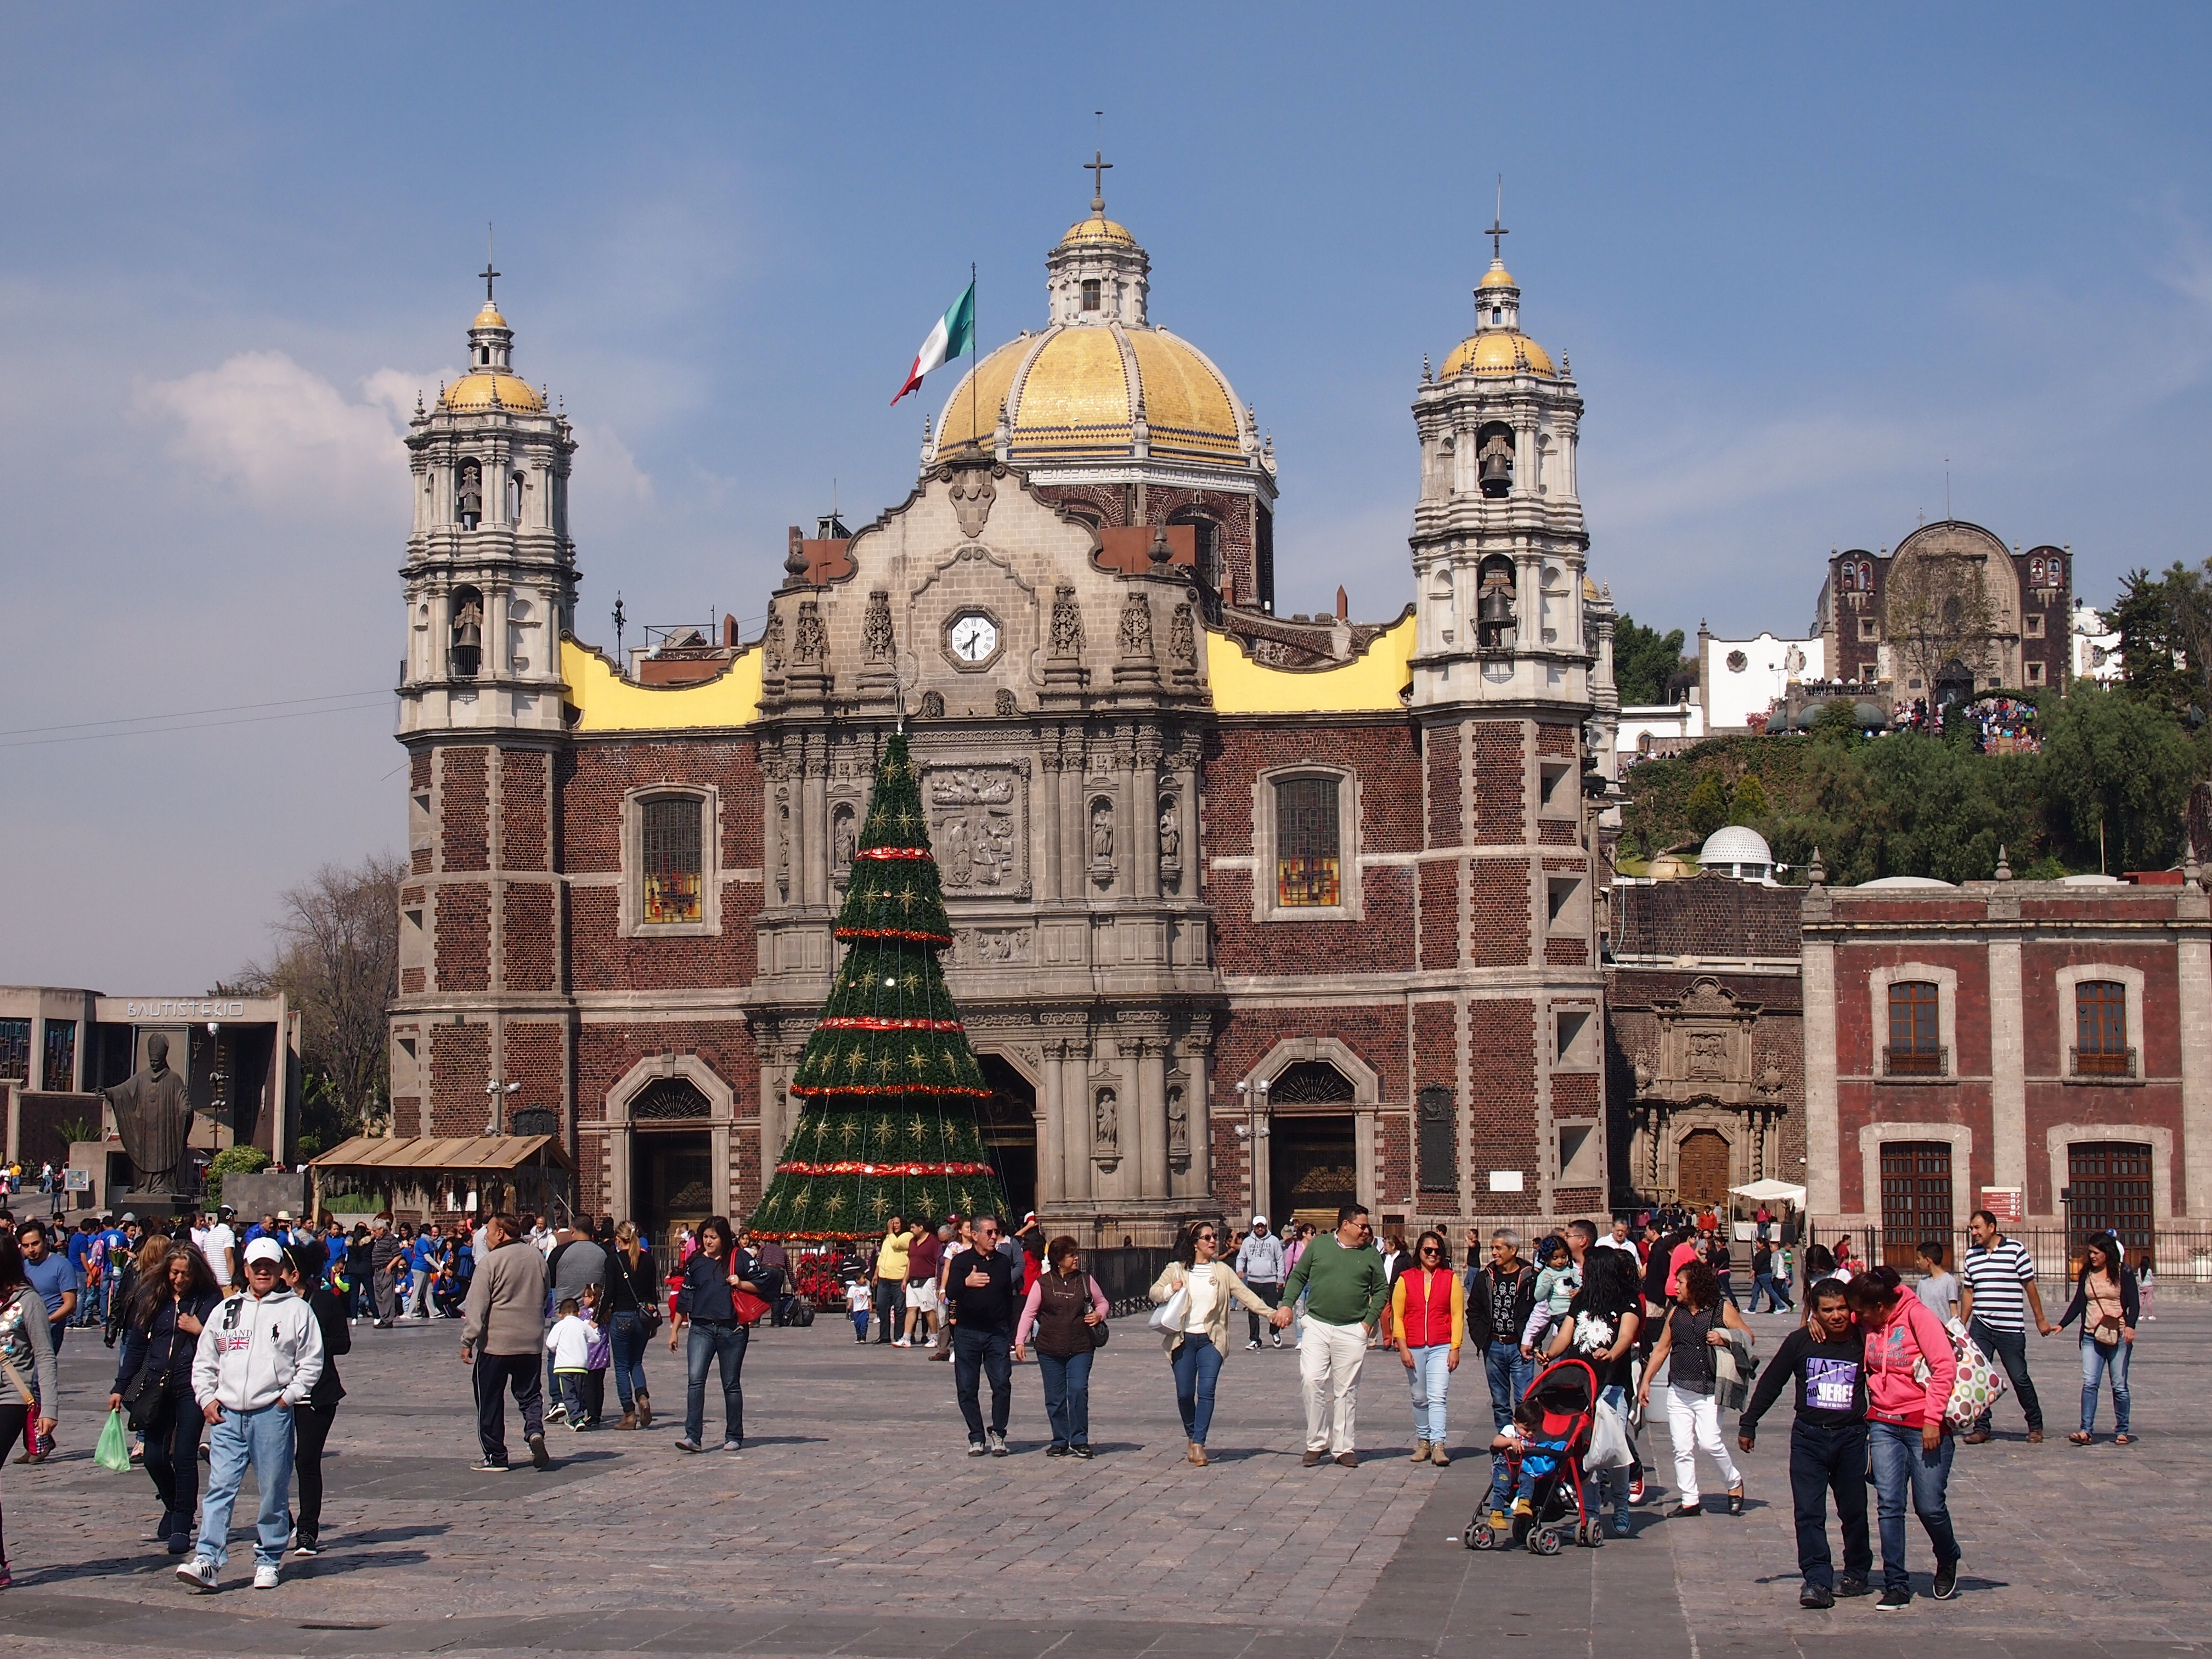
(974, 636)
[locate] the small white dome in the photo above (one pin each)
(1906, 881)
(1735, 845)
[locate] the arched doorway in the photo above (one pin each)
(672, 1157)
(1313, 1151)
(1009, 1124)
(1701, 1168)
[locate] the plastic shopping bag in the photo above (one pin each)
(113, 1451)
(1608, 1446)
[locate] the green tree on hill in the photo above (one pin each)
(2120, 763)
(1644, 661)
(1707, 808)
(1749, 805)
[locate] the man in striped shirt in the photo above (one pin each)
(1996, 1292)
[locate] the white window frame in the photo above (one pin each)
(1349, 905)
(2070, 977)
(630, 910)
(1945, 980)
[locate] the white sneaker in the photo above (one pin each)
(265, 1576)
(1254, 1343)
(900, 1342)
(1279, 1338)
(998, 1444)
(199, 1573)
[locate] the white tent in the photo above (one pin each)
(1771, 1191)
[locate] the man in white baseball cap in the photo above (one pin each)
(260, 1354)
(1260, 1264)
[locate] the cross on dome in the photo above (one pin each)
(1097, 166)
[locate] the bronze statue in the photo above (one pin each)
(155, 1115)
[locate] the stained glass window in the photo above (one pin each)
(15, 1049)
(61, 1057)
(1307, 868)
(672, 858)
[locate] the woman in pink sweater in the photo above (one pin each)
(1909, 1369)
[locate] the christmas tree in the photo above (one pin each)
(891, 1086)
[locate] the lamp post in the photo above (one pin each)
(1252, 1131)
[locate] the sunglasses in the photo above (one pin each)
(1430, 1249)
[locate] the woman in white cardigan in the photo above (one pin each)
(1197, 1336)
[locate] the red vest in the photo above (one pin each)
(1427, 1321)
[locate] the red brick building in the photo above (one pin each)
(1249, 909)
(2004, 1043)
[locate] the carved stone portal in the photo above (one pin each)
(976, 826)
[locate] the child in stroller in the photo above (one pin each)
(1543, 1446)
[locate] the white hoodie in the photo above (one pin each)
(255, 1351)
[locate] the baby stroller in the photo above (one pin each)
(1557, 1415)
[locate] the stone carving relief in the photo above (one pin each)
(932, 705)
(810, 640)
(1183, 637)
(772, 642)
(990, 947)
(976, 826)
(1178, 1124)
(972, 493)
(1136, 627)
(1002, 703)
(1066, 623)
(876, 636)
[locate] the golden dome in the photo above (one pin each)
(488, 390)
(1496, 276)
(1072, 392)
(489, 317)
(1098, 228)
(1497, 354)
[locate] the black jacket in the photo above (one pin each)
(1480, 1323)
(330, 1318)
(705, 1294)
(632, 1290)
(985, 1307)
(2130, 1300)
(170, 1349)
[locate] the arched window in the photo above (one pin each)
(671, 1099)
(465, 657)
(1493, 449)
(674, 861)
(1916, 1042)
(1309, 868)
(1091, 294)
(2100, 1029)
(1311, 1083)
(1206, 538)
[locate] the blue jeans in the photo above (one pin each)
(1196, 1363)
(1771, 1287)
(1825, 1461)
(2008, 1349)
(2096, 1365)
(570, 1385)
(974, 1354)
(264, 1439)
(1431, 1380)
(627, 1337)
(710, 1345)
(1509, 1375)
(1067, 1397)
(1899, 1464)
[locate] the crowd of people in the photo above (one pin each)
(227, 1341)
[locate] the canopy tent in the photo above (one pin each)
(1768, 1192)
(536, 1167)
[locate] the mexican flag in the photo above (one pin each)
(953, 333)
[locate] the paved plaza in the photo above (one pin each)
(855, 1524)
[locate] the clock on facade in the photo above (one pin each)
(974, 638)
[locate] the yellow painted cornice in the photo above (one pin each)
(605, 701)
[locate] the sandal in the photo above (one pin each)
(2081, 1438)
(1735, 1501)
(2124, 1440)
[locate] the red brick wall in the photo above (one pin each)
(1440, 912)
(1500, 797)
(525, 842)
(463, 936)
(465, 809)
(528, 938)
(461, 1066)
(1555, 739)
(1500, 912)
(1573, 1094)
(536, 1060)
(1442, 752)
(1502, 1049)
(1435, 1063)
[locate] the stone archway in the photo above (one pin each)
(1703, 1162)
(645, 1122)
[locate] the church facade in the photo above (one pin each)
(1251, 912)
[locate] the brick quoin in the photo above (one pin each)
(524, 842)
(1500, 891)
(1502, 1052)
(466, 803)
(463, 916)
(1501, 798)
(461, 1066)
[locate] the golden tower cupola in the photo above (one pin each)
(491, 382)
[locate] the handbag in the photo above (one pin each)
(1168, 1317)
(1099, 1332)
(1979, 1383)
(1608, 1446)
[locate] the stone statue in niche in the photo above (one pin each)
(1178, 1122)
(876, 636)
(1101, 832)
(972, 493)
(1170, 832)
(1106, 1125)
(772, 642)
(840, 838)
(783, 843)
(1136, 627)
(1066, 623)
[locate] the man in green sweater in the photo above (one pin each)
(1340, 1276)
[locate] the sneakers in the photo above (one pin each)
(307, 1544)
(1946, 1579)
(976, 1448)
(265, 1576)
(733, 1445)
(687, 1444)
(1253, 1346)
(199, 1574)
(901, 1343)
(1082, 1451)
(1850, 1584)
(1055, 1449)
(556, 1413)
(1893, 1600)
(578, 1428)
(1279, 1340)
(998, 1444)
(539, 1458)
(485, 1466)
(1636, 1484)
(1619, 1525)
(1817, 1596)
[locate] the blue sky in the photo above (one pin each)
(1798, 260)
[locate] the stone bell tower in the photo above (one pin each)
(490, 584)
(1504, 681)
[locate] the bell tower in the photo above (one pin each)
(1507, 669)
(490, 585)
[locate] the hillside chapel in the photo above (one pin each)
(1252, 912)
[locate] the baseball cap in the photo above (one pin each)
(263, 1249)
(1259, 1221)
(130, 1215)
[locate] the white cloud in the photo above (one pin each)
(275, 430)
(604, 461)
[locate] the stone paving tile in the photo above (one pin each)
(855, 1525)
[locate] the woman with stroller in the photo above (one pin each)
(1602, 1326)
(1697, 1323)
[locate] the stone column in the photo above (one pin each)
(2007, 1077)
(1147, 1073)
(1073, 1068)
(1823, 1126)
(2193, 976)
(1144, 808)
(810, 813)
(1044, 836)
(1052, 1132)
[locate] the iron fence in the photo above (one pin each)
(2180, 1258)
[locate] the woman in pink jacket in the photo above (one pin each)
(1908, 1441)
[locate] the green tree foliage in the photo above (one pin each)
(2165, 625)
(1749, 805)
(1644, 660)
(890, 1085)
(1707, 808)
(232, 1160)
(2119, 761)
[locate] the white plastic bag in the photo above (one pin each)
(1608, 1446)
(1168, 1317)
